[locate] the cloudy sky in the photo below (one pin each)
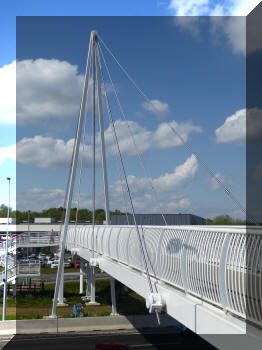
(193, 70)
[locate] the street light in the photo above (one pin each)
(28, 221)
(6, 254)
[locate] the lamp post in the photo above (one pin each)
(28, 229)
(28, 221)
(6, 254)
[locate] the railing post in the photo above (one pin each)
(158, 266)
(222, 274)
(183, 262)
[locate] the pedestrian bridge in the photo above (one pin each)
(200, 272)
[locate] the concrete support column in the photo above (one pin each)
(93, 284)
(14, 290)
(113, 297)
(92, 287)
(81, 277)
(61, 299)
(88, 284)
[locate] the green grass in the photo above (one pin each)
(11, 301)
(49, 271)
(8, 317)
(38, 304)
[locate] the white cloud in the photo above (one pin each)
(233, 28)
(182, 175)
(165, 138)
(46, 89)
(169, 182)
(143, 200)
(8, 152)
(242, 7)
(42, 198)
(189, 7)
(181, 204)
(49, 89)
(233, 129)
(46, 152)
(166, 186)
(156, 107)
(207, 7)
(214, 186)
(160, 138)
(7, 94)
(243, 124)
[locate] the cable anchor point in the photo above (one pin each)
(154, 303)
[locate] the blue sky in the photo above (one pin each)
(194, 71)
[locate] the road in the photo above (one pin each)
(70, 276)
(154, 339)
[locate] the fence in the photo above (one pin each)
(33, 239)
(215, 264)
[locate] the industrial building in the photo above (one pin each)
(157, 219)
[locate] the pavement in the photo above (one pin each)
(5, 340)
(150, 339)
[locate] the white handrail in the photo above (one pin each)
(212, 263)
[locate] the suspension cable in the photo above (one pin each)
(94, 155)
(125, 177)
(138, 152)
(122, 186)
(80, 174)
(186, 145)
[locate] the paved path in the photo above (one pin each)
(160, 340)
(5, 340)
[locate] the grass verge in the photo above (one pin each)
(39, 304)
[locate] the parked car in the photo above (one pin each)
(54, 265)
(50, 261)
(75, 261)
(67, 264)
(111, 347)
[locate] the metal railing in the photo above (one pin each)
(11, 274)
(215, 264)
(28, 239)
(11, 246)
(30, 269)
(10, 261)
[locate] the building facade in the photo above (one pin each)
(157, 219)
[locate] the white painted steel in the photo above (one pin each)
(22, 269)
(11, 247)
(206, 262)
(38, 239)
(11, 275)
(28, 268)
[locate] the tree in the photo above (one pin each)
(3, 211)
(224, 220)
(100, 215)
